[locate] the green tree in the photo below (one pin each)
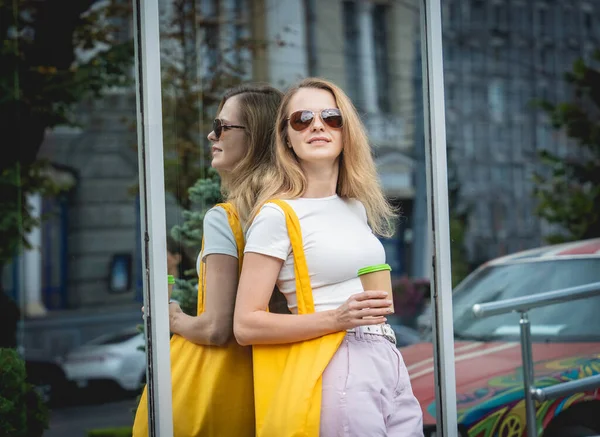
(203, 195)
(568, 192)
(54, 55)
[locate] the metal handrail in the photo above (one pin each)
(523, 305)
(566, 388)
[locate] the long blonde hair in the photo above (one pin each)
(258, 106)
(357, 178)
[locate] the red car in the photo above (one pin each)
(566, 346)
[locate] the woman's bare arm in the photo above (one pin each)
(215, 325)
(254, 325)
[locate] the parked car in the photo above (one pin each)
(566, 346)
(116, 357)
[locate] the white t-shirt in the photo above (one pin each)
(337, 242)
(218, 236)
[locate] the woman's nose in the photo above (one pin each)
(318, 123)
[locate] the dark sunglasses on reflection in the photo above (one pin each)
(300, 120)
(219, 127)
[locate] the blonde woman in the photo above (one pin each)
(211, 374)
(325, 172)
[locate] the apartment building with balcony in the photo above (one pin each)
(499, 56)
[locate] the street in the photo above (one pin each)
(77, 421)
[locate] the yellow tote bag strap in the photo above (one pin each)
(304, 295)
(201, 282)
(238, 234)
(288, 377)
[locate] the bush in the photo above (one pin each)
(111, 432)
(22, 411)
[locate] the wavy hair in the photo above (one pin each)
(258, 105)
(357, 178)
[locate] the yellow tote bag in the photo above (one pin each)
(212, 386)
(287, 377)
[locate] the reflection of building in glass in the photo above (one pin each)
(499, 56)
(368, 48)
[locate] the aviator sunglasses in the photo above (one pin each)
(300, 120)
(219, 127)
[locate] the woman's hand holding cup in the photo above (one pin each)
(367, 308)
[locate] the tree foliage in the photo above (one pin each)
(203, 195)
(22, 412)
(194, 79)
(568, 192)
(54, 54)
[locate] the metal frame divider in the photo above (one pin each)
(153, 217)
(438, 217)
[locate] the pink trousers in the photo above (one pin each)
(367, 392)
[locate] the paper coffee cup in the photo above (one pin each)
(170, 282)
(377, 277)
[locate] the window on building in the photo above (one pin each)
(478, 13)
(351, 52)
(545, 59)
(516, 143)
(242, 33)
(588, 23)
(496, 101)
(499, 16)
(449, 56)
(527, 141)
(478, 58)
(453, 14)
(468, 140)
(467, 100)
(479, 92)
(568, 22)
(542, 18)
(382, 73)
(481, 142)
(519, 18)
(588, 52)
(209, 56)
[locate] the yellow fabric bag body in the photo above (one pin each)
(212, 386)
(287, 377)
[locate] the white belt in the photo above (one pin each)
(384, 330)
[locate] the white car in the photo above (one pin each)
(116, 357)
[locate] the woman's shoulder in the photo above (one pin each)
(270, 212)
(216, 215)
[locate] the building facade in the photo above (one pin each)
(499, 56)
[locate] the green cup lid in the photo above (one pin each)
(171, 279)
(375, 268)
